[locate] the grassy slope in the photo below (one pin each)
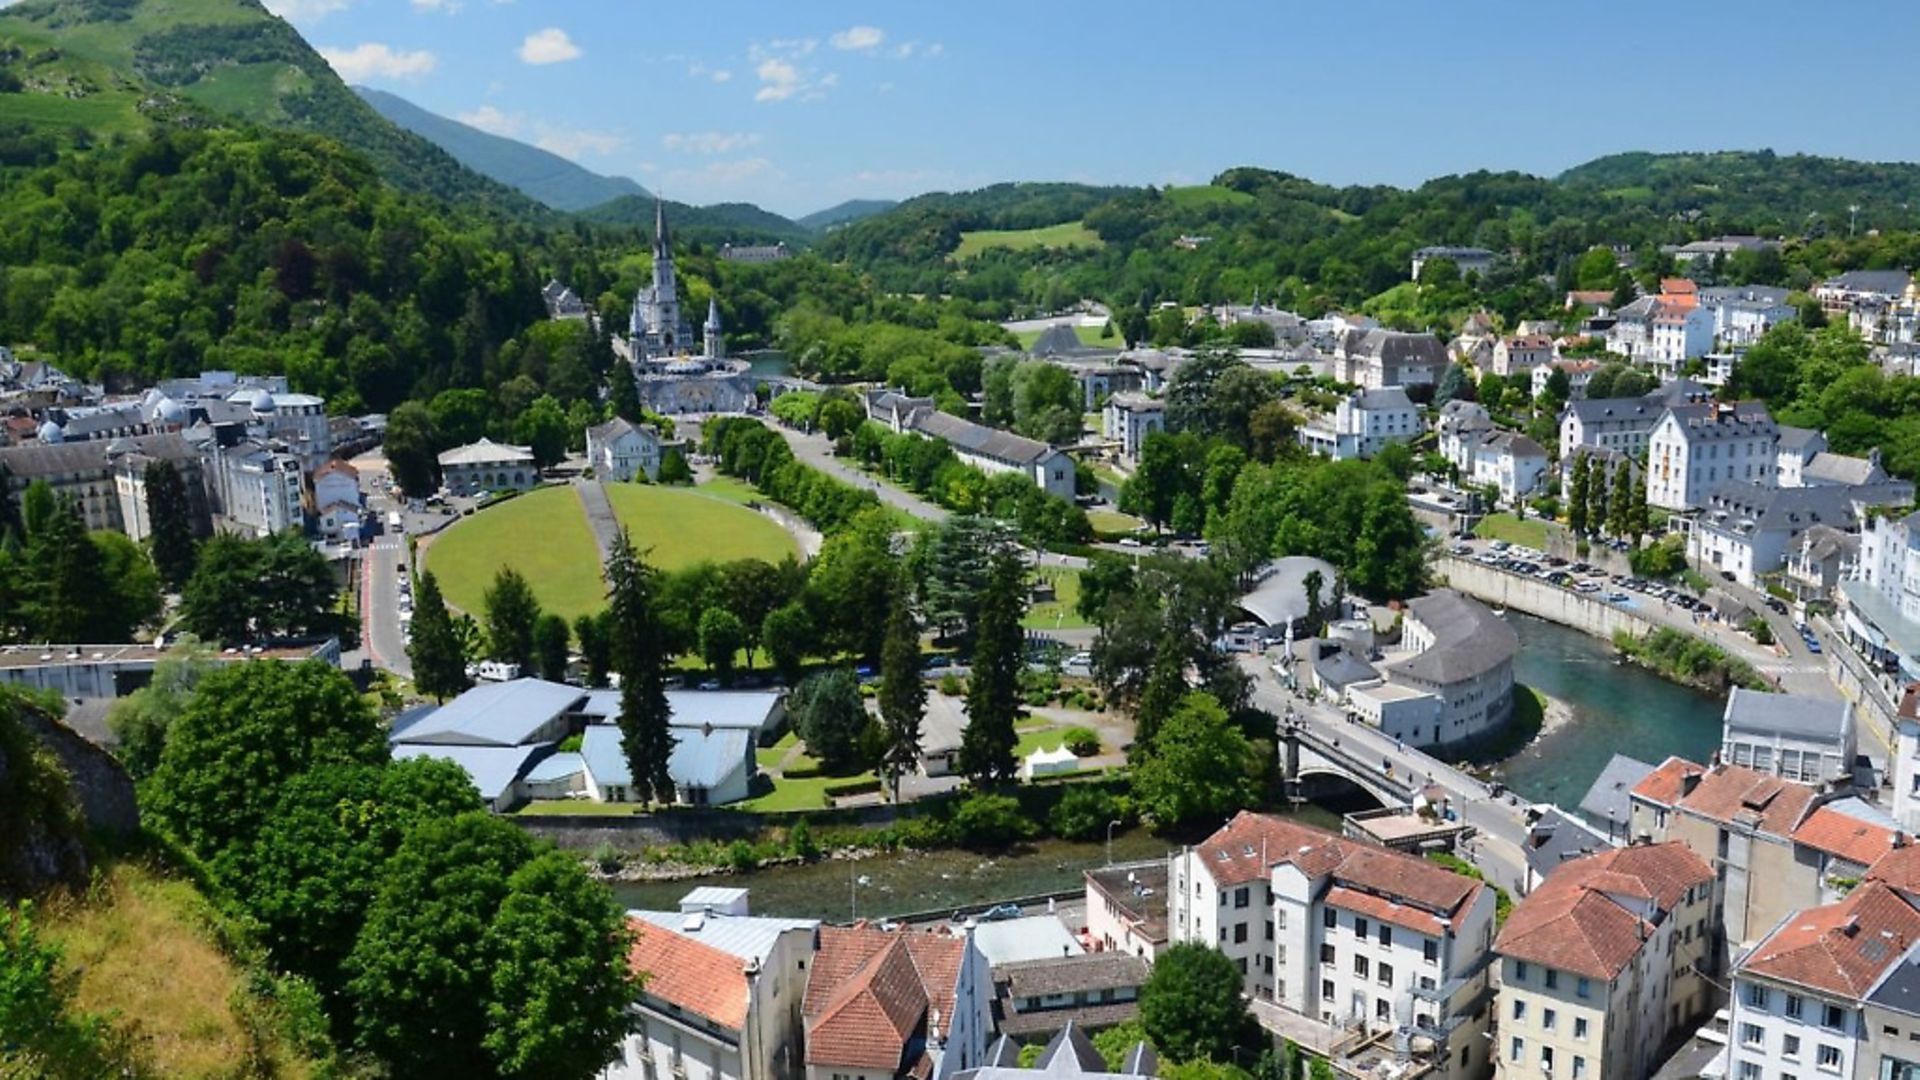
(1064, 235)
(1088, 335)
(542, 534)
(1206, 195)
(677, 527)
(143, 947)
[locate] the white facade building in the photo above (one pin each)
(1341, 931)
(618, 450)
(1522, 354)
(1129, 418)
(1363, 423)
(1697, 449)
(488, 466)
(1810, 740)
(337, 500)
(1506, 460)
(1455, 649)
(259, 489)
(1743, 314)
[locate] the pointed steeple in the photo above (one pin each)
(660, 246)
(716, 345)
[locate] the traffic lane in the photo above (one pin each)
(386, 633)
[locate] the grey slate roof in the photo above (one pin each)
(36, 460)
(1610, 796)
(1900, 990)
(494, 714)
(1469, 640)
(1342, 668)
(1557, 837)
(1395, 347)
(1797, 439)
(1746, 508)
(1843, 469)
(1737, 420)
(984, 441)
(1073, 974)
(1281, 593)
(1386, 397)
(1751, 712)
(1063, 340)
(1885, 282)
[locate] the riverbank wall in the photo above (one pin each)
(1586, 613)
(684, 825)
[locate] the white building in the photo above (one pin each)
(1127, 908)
(258, 489)
(1798, 996)
(1662, 331)
(1372, 359)
(1794, 449)
(1344, 932)
(1452, 647)
(988, 449)
(1402, 712)
(1506, 460)
(1622, 424)
(1839, 295)
(1697, 449)
(1129, 418)
(488, 466)
(1747, 530)
(1579, 374)
(1363, 423)
(337, 500)
(1602, 962)
(1469, 260)
(618, 450)
(1743, 314)
(722, 995)
(1522, 354)
(1807, 739)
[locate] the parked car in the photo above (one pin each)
(998, 912)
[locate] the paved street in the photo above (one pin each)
(817, 451)
(1498, 849)
(381, 630)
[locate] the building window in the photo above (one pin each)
(1326, 989)
(1752, 1035)
(1360, 966)
(1330, 917)
(1756, 996)
(1749, 1071)
(1546, 1059)
(1583, 989)
(1519, 1009)
(1386, 934)
(1240, 897)
(1431, 950)
(1580, 1027)
(1386, 974)
(1239, 933)
(1326, 953)
(1548, 1018)
(1269, 930)
(1829, 1058)
(1790, 1047)
(1519, 1051)
(1834, 1017)
(1579, 1067)
(1519, 971)
(1552, 979)
(1360, 927)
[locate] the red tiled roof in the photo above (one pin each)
(1386, 911)
(1250, 845)
(336, 465)
(691, 974)
(1665, 784)
(870, 990)
(1678, 286)
(1571, 923)
(1840, 948)
(1899, 868)
(1850, 838)
(1735, 794)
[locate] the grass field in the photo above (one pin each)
(1088, 335)
(143, 948)
(1529, 533)
(1206, 195)
(676, 527)
(805, 794)
(1113, 521)
(542, 534)
(731, 490)
(1064, 235)
(577, 807)
(1057, 614)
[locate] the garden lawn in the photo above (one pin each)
(1064, 235)
(1529, 533)
(730, 490)
(1058, 613)
(577, 807)
(543, 534)
(1088, 335)
(1113, 521)
(807, 794)
(1046, 738)
(676, 527)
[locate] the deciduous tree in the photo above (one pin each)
(903, 694)
(1202, 767)
(1192, 1006)
(829, 714)
(550, 641)
(722, 634)
(412, 447)
(170, 517)
(512, 613)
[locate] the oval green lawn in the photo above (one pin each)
(677, 527)
(542, 534)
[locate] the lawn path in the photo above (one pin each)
(599, 510)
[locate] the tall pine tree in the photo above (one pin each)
(639, 656)
(1577, 494)
(903, 696)
(66, 591)
(993, 686)
(439, 661)
(170, 521)
(512, 612)
(1620, 506)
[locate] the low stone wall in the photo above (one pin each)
(1581, 611)
(584, 832)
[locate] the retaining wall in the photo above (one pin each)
(1581, 611)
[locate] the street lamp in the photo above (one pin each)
(1110, 826)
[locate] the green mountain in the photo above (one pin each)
(84, 69)
(721, 223)
(1774, 191)
(545, 176)
(846, 213)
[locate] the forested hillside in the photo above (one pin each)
(537, 173)
(82, 70)
(849, 211)
(1314, 247)
(737, 223)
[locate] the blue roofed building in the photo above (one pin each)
(498, 772)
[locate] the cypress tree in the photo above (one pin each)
(993, 687)
(512, 612)
(169, 519)
(1620, 512)
(639, 657)
(903, 696)
(550, 641)
(1577, 494)
(439, 661)
(66, 593)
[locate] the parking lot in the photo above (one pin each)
(1621, 590)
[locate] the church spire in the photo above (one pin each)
(716, 346)
(661, 250)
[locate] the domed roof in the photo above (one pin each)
(262, 401)
(170, 411)
(51, 432)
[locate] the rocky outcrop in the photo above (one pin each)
(55, 787)
(100, 783)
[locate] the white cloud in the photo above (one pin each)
(936, 49)
(858, 38)
(377, 60)
(487, 118)
(721, 75)
(549, 46)
(796, 46)
(305, 10)
(782, 74)
(451, 7)
(717, 178)
(709, 142)
(575, 145)
(698, 70)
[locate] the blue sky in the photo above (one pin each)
(797, 105)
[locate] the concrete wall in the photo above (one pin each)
(1581, 611)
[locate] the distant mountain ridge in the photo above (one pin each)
(846, 213)
(538, 173)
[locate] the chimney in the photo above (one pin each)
(934, 1038)
(1852, 926)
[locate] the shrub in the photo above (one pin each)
(606, 857)
(1084, 811)
(950, 685)
(984, 820)
(741, 856)
(800, 842)
(1760, 630)
(858, 786)
(1084, 742)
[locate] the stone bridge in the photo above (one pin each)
(1305, 753)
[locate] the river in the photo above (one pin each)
(921, 881)
(1616, 709)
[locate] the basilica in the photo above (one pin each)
(676, 373)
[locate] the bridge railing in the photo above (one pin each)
(1364, 772)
